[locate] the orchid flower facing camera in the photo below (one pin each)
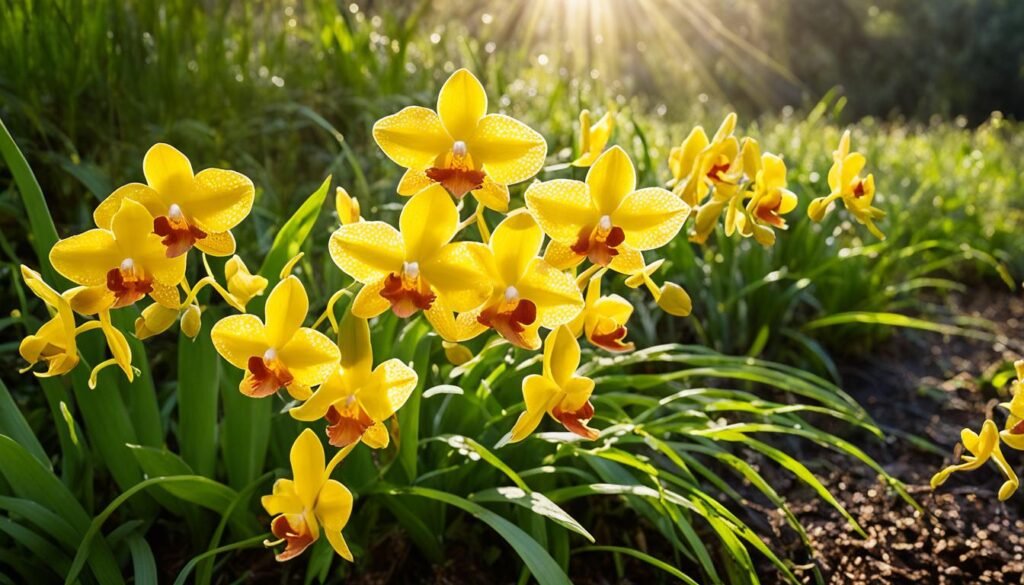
(461, 146)
(188, 209)
(279, 353)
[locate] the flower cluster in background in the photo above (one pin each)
(534, 279)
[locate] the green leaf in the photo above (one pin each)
(659, 564)
(534, 501)
(245, 434)
(143, 563)
(198, 387)
(14, 425)
(292, 235)
(541, 565)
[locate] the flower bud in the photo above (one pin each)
(457, 353)
(674, 300)
(155, 319)
(347, 206)
(817, 209)
(191, 321)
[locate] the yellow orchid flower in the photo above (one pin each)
(670, 297)
(347, 206)
(155, 319)
(603, 319)
(1013, 433)
(527, 292)
(119, 266)
(416, 268)
(54, 342)
(605, 218)
(242, 284)
(280, 353)
(461, 146)
(309, 502)
(188, 209)
(593, 138)
(981, 448)
(769, 201)
(700, 164)
(734, 158)
(846, 184)
(557, 391)
(357, 398)
(120, 351)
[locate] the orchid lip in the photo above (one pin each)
(175, 212)
(459, 148)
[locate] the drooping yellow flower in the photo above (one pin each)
(603, 319)
(557, 391)
(357, 398)
(846, 184)
(461, 146)
(119, 266)
(242, 284)
(699, 164)
(309, 502)
(670, 297)
(527, 292)
(188, 209)
(769, 201)
(281, 353)
(605, 219)
(417, 268)
(1013, 433)
(981, 448)
(54, 342)
(593, 138)
(728, 192)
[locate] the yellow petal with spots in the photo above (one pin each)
(561, 356)
(555, 293)
(413, 137)
(413, 181)
(427, 223)
(628, 261)
(562, 207)
(457, 273)
(167, 170)
(368, 250)
(368, 302)
(144, 194)
(650, 217)
(509, 150)
(219, 200)
(461, 104)
(287, 307)
(492, 195)
(388, 389)
(239, 337)
(516, 242)
(87, 257)
(217, 244)
(610, 179)
(307, 459)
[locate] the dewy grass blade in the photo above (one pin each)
(198, 387)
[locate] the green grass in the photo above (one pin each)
(180, 456)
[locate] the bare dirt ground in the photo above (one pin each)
(930, 387)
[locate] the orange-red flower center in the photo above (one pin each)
(128, 284)
(407, 292)
(716, 170)
(297, 537)
(1018, 429)
(612, 340)
(266, 375)
(455, 171)
(178, 235)
(858, 189)
(770, 213)
(509, 318)
(599, 243)
(576, 421)
(346, 424)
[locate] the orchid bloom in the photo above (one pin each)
(280, 353)
(242, 284)
(528, 293)
(1013, 434)
(54, 342)
(416, 268)
(603, 319)
(605, 218)
(670, 297)
(593, 138)
(309, 502)
(981, 448)
(846, 183)
(700, 164)
(119, 266)
(737, 160)
(769, 201)
(188, 209)
(461, 146)
(357, 398)
(557, 391)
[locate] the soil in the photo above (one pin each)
(930, 387)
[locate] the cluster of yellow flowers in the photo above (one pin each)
(985, 446)
(507, 281)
